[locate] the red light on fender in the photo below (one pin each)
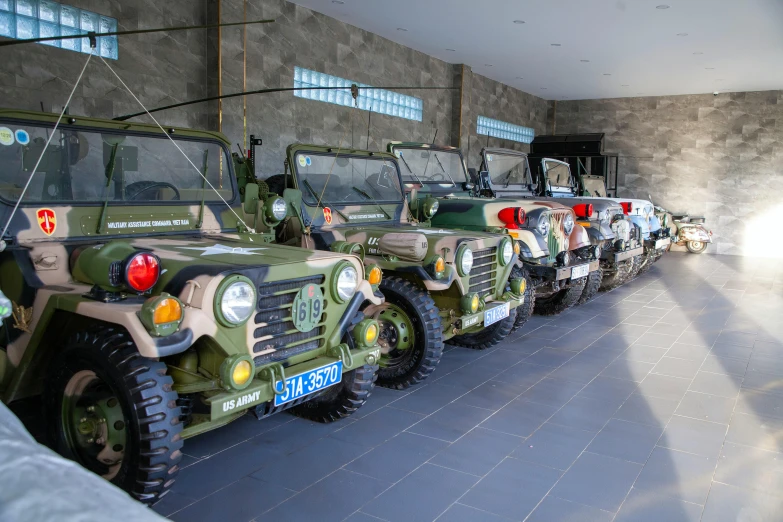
(583, 210)
(627, 207)
(513, 217)
(142, 271)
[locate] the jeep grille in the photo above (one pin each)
(279, 339)
(556, 242)
(484, 272)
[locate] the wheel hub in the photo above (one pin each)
(396, 329)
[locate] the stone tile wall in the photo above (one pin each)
(717, 156)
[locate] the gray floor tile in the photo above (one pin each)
(647, 410)
(640, 352)
(672, 367)
(768, 349)
(554, 446)
(468, 377)
(172, 503)
(422, 495)
(626, 440)
(764, 382)
(706, 407)
(378, 427)
(677, 474)
(223, 504)
(584, 413)
(242, 429)
(462, 513)
(502, 359)
(478, 451)
(615, 340)
(513, 489)
(491, 395)
(664, 387)
(429, 398)
(750, 468)
(397, 457)
(716, 384)
(554, 509)
(758, 363)
(759, 432)
(634, 371)
(520, 417)
(646, 506)
(731, 351)
(608, 389)
(758, 403)
(688, 351)
(550, 332)
(451, 422)
(327, 500)
(380, 397)
(730, 504)
(598, 481)
(694, 436)
(555, 392)
(658, 340)
(550, 357)
(523, 374)
(724, 365)
(642, 320)
(579, 371)
(738, 338)
(706, 339)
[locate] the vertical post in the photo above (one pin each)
(244, 76)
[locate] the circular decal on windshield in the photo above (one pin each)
(22, 137)
(6, 136)
(302, 161)
(489, 157)
(328, 215)
(308, 161)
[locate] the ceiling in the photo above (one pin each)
(607, 48)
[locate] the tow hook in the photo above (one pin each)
(270, 373)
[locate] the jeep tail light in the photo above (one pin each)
(583, 210)
(513, 217)
(142, 271)
(627, 207)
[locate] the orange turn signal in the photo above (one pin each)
(374, 277)
(167, 311)
(440, 265)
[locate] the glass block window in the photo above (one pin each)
(23, 19)
(376, 100)
(504, 130)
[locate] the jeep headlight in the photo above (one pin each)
(430, 207)
(568, 224)
(506, 252)
(464, 260)
(236, 300)
(345, 283)
(276, 209)
(543, 225)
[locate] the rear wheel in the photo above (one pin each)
(562, 299)
(410, 336)
(114, 412)
(341, 400)
(591, 286)
(696, 247)
(486, 337)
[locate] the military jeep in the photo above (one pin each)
(440, 285)
(145, 311)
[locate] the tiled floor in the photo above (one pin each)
(659, 401)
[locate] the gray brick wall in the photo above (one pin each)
(718, 156)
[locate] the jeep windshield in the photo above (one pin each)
(347, 180)
(507, 170)
(594, 187)
(438, 168)
(77, 166)
(558, 176)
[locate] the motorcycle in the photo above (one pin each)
(686, 230)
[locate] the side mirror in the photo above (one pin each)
(293, 197)
(250, 201)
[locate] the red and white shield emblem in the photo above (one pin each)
(328, 215)
(47, 220)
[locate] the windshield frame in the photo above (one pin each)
(527, 187)
(228, 168)
(299, 181)
(585, 179)
(560, 190)
(438, 185)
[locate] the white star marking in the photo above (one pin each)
(222, 249)
(432, 231)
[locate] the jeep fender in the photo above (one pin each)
(642, 223)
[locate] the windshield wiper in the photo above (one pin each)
(318, 202)
(409, 169)
(203, 190)
(444, 170)
(368, 196)
(109, 177)
(508, 179)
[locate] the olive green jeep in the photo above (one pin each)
(439, 285)
(146, 311)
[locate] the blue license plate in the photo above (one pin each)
(493, 315)
(309, 382)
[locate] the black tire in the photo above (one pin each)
(342, 400)
(561, 300)
(276, 184)
(637, 264)
(617, 277)
(592, 285)
(108, 361)
(486, 337)
(646, 263)
(400, 369)
(696, 247)
(525, 310)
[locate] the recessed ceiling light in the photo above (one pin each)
(607, 74)
(338, 2)
(543, 88)
(555, 45)
(584, 61)
(710, 68)
(719, 79)
(682, 34)
(487, 65)
(519, 22)
(639, 93)
(451, 50)
(402, 29)
(520, 78)
(624, 85)
(698, 52)
(662, 6)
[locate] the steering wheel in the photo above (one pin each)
(134, 190)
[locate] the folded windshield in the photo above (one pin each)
(431, 166)
(595, 187)
(507, 170)
(558, 174)
(342, 180)
(78, 166)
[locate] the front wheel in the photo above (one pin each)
(410, 336)
(114, 412)
(486, 337)
(696, 247)
(562, 299)
(341, 400)
(591, 286)
(525, 310)
(617, 275)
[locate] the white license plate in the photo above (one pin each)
(493, 315)
(310, 382)
(580, 271)
(662, 243)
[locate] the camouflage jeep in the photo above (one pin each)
(146, 312)
(439, 285)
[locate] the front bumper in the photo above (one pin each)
(468, 322)
(261, 391)
(617, 257)
(551, 273)
(657, 244)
